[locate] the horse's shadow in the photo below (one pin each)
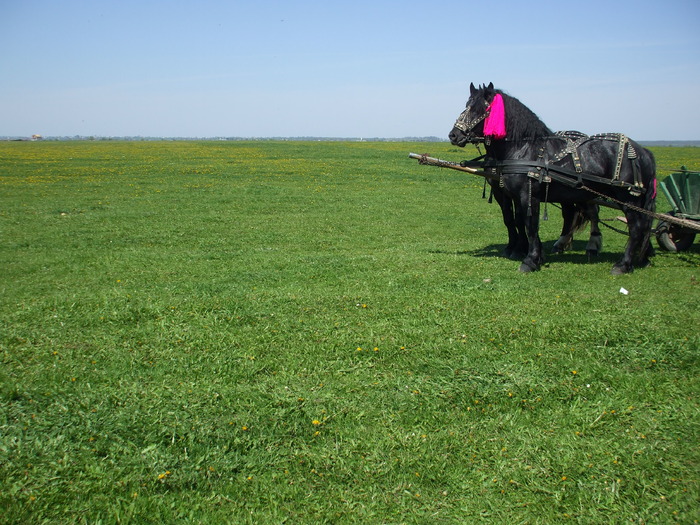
(576, 254)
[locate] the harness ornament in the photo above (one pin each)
(495, 123)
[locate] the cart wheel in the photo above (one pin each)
(674, 238)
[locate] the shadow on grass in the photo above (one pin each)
(575, 255)
(493, 250)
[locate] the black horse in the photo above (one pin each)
(534, 165)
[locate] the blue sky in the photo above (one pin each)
(344, 69)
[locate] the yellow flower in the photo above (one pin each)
(316, 422)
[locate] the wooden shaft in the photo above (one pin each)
(432, 161)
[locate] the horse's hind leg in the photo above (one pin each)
(646, 250)
(568, 214)
(595, 241)
(639, 227)
(575, 218)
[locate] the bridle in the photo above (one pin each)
(466, 126)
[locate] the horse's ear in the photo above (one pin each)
(489, 92)
(472, 89)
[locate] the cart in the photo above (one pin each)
(682, 189)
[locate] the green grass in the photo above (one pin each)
(286, 332)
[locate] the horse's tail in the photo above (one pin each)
(649, 203)
(581, 218)
(650, 196)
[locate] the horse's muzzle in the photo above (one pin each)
(458, 137)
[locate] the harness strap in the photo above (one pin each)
(621, 143)
(565, 176)
(574, 139)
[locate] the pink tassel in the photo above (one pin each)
(495, 123)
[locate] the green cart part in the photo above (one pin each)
(682, 189)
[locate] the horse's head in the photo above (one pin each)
(470, 124)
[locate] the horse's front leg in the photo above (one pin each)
(517, 240)
(529, 212)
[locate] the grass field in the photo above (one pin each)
(288, 332)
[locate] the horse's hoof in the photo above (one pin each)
(619, 270)
(526, 268)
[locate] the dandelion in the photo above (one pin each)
(315, 422)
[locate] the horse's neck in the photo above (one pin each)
(509, 149)
(523, 127)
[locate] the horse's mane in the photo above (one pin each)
(521, 122)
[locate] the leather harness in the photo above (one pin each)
(546, 168)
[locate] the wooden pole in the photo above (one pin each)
(432, 161)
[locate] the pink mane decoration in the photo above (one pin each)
(495, 123)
